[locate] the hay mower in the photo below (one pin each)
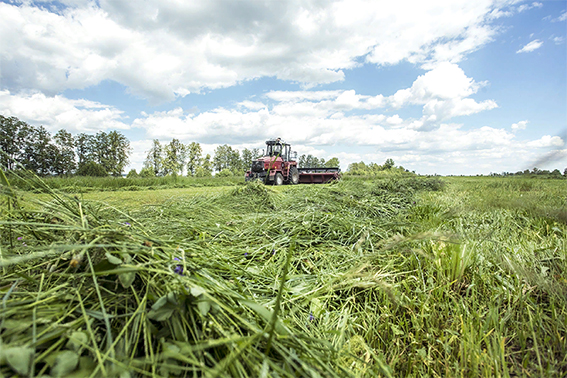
(278, 166)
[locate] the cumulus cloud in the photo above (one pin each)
(58, 112)
(547, 141)
(160, 50)
(533, 45)
(520, 125)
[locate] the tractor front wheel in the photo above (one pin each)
(278, 180)
(293, 176)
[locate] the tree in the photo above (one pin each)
(556, 173)
(118, 152)
(226, 158)
(247, 158)
(388, 164)
(193, 158)
(65, 160)
(206, 164)
(39, 153)
(86, 147)
(174, 158)
(13, 136)
(565, 172)
(332, 163)
(154, 158)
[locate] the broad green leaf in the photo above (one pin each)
(113, 259)
(316, 307)
(161, 314)
(159, 303)
(266, 315)
(126, 279)
(65, 363)
(77, 340)
(204, 307)
(197, 290)
(19, 359)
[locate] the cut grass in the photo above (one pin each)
(389, 277)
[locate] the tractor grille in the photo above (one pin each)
(257, 166)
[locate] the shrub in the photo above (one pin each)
(132, 174)
(202, 172)
(92, 169)
(224, 173)
(147, 172)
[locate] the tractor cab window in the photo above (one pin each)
(274, 149)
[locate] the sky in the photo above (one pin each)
(440, 86)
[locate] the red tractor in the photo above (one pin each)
(279, 166)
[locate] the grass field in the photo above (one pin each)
(407, 276)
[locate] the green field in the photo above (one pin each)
(394, 276)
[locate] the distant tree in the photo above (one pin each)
(556, 173)
(194, 152)
(154, 158)
(39, 153)
(358, 169)
(247, 158)
(310, 162)
(206, 164)
(13, 136)
(388, 164)
(226, 158)
(565, 172)
(301, 161)
(332, 163)
(85, 146)
(175, 155)
(65, 160)
(117, 153)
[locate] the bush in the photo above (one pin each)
(92, 169)
(147, 172)
(202, 172)
(224, 173)
(132, 174)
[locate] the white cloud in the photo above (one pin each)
(58, 112)
(533, 45)
(561, 17)
(160, 50)
(520, 125)
(558, 40)
(525, 7)
(547, 141)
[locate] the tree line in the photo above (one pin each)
(35, 149)
(176, 158)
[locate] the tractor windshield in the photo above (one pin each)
(274, 149)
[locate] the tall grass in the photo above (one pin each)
(394, 277)
(82, 184)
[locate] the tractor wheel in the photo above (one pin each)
(278, 180)
(293, 176)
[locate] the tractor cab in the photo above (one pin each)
(278, 148)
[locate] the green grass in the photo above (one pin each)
(82, 184)
(365, 277)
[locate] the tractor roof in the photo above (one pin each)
(273, 142)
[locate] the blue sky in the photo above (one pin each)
(448, 87)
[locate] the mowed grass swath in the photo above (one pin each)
(393, 276)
